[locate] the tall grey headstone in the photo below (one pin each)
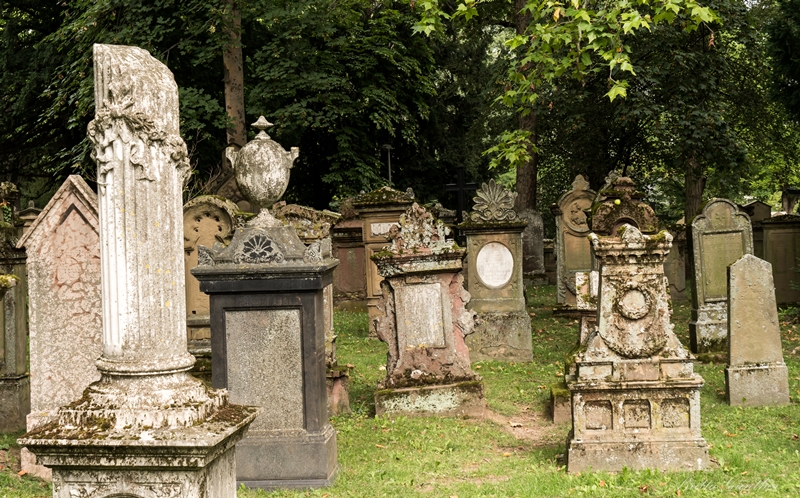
(147, 428)
(63, 247)
(573, 252)
(756, 374)
(721, 235)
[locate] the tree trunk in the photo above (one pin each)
(695, 183)
(527, 173)
(234, 78)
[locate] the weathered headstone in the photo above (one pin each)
(756, 374)
(494, 278)
(379, 211)
(635, 398)
(781, 242)
(533, 267)
(206, 219)
(423, 319)
(350, 277)
(550, 265)
(270, 311)
(147, 428)
(675, 265)
(63, 247)
(757, 210)
(721, 235)
(15, 392)
(573, 253)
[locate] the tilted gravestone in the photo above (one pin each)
(147, 428)
(494, 278)
(15, 393)
(781, 246)
(756, 374)
(63, 247)
(721, 235)
(635, 398)
(423, 319)
(573, 253)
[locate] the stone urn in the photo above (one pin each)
(262, 167)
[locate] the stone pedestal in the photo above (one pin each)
(147, 428)
(379, 211)
(424, 321)
(268, 350)
(635, 398)
(15, 393)
(573, 253)
(781, 246)
(495, 278)
(721, 235)
(756, 374)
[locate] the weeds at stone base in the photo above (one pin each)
(757, 450)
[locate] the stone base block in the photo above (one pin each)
(28, 459)
(15, 402)
(464, 399)
(758, 385)
(708, 329)
(283, 459)
(501, 336)
(613, 456)
(561, 403)
(338, 385)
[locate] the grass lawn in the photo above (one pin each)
(517, 451)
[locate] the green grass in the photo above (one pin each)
(756, 450)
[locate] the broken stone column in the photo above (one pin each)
(270, 311)
(63, 247)
(635, 397)
(721, 235)
(494, 278)
(424, 321)
(15, 389)
(147, 428)
(756, 374)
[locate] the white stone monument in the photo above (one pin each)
(147, 428)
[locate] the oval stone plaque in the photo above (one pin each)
(495, 264)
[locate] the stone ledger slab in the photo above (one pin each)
(756, 374)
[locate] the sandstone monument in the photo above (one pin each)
(422, 317)
(494, 278)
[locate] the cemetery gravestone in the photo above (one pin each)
(635, 398)
(758, 211)
(494, 278)
(721, 235)
(550, 266)
(15, 392)
(573, 253)
(28, 215)
(270, 311)
(781, 246)
(424, 321)
(63, 247)
(675, 265)
(533, 264)
(379, 211)
(349, 278)
(147, 428)
(756, 374)
(207, 219)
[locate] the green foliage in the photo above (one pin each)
(784, 45)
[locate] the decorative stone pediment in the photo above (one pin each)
(493, 204)
(618, 203)
(419, 233)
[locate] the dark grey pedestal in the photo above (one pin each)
(268, 350)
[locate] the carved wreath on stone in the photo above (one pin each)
(632, 329)
(493, 203)
(258, 248)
